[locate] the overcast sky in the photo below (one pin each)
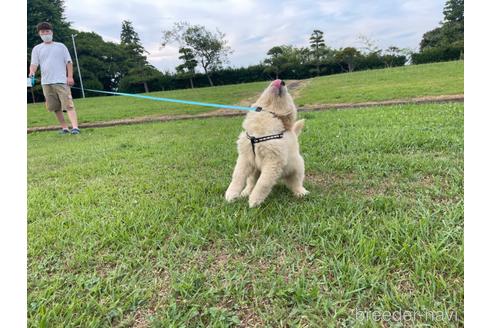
(253, 27)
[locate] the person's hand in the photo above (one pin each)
(70, 81)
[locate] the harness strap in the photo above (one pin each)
(255, 140)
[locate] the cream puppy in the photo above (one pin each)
(268, 148)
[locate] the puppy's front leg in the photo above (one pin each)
(250, 183)
(242, 170)
(270, 173)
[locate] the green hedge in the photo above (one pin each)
(432, 55)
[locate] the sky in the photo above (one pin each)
(253, 27)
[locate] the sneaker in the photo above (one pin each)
(64, 131)
(75, 131)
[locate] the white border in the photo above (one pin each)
(478, 165)
(478, 168)
(13, 231)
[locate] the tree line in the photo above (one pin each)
(446, 42)
(203, 54)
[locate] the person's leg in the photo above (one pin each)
(53, 104)
(61, 119)
(72, 116)
(67, 105)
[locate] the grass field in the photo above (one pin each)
(127, 226)
(382, 84)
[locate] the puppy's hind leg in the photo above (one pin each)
(295, 180)
(242, 170)
(294, 183)
(270, 173)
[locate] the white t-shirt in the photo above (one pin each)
(52, 58)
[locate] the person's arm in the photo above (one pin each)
(70, 80)
(32, 69)
(34, 62)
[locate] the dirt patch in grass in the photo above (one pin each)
(141, 317)
(230, 112)
(296, 86)
(249, 317)
(326, 181)
(417, 100)
(434, 188)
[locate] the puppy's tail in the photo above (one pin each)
(297, 128)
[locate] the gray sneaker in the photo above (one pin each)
(75, 131)
(64, 131)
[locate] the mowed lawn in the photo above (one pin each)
(382, 84)
(127, 226)
(106, 108)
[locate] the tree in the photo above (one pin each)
(106, 62)
(394, 56)
(454, 11)
(51, 11)
(317, 43)
(369, 46)
(141, 75)
(451, 33)
(187, 69)
(209, 49)
(278, 61)
(140, 70)
(348, 56)
(130, 40)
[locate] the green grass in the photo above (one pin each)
(107, 108)
(382, 84)
(129, 225)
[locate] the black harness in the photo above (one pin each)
(254, 140)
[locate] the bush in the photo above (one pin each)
(431, 55)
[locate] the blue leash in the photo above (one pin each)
(172, 100)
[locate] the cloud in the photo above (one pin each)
(253, 27)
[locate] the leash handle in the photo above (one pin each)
(33, 79)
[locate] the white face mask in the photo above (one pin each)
(47, 37)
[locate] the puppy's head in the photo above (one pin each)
(276, 98)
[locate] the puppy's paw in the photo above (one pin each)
(301, 193)
(231, 196)
(245, 192)
(254, 202)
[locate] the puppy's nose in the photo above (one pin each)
(278, 83)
